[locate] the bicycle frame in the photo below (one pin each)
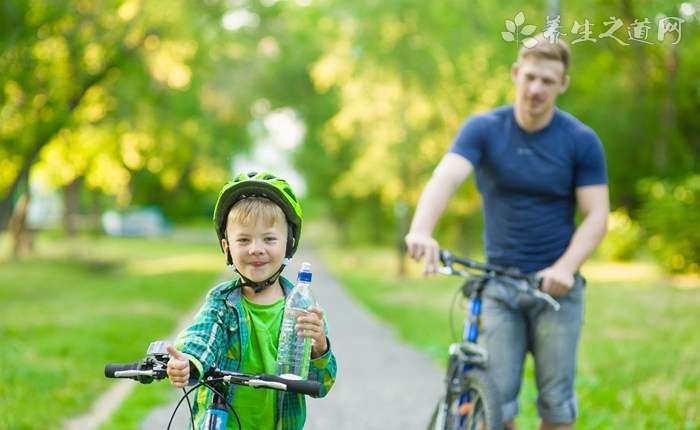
(470, 335)
(468, 356)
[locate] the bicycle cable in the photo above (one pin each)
(172, 416)
(238, 420)
(186, 396)
(189, 406)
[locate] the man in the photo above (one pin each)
(534, 165)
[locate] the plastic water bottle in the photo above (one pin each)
(294, 352)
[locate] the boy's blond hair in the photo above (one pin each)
(248, 211)
(544, 49)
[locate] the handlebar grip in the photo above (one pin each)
(113, 367)
(301, 386)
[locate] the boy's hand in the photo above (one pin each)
(178, 368)
(311, 325)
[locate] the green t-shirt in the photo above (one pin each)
(256, 407)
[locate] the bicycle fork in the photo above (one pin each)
(470, 354)
(216, 417)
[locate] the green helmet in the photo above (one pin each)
(267, 185)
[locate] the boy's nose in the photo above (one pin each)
(255, 247)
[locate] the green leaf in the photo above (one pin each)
(530, 42)
(528, 30)
(520, 18)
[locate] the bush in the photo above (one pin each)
(669, 215)
(623, 238)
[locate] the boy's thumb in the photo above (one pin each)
(175, 353)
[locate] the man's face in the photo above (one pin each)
(538, 82)
(258, 249)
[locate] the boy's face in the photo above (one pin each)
(257, 249)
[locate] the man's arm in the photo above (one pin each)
(594, 204)
(449, 174)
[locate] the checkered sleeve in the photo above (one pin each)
(204, 339)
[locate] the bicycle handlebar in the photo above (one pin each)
(145, 371)
(299, 386)
(113, 370)
(532, 282)
(150, 369)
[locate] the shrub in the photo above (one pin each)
(669, 215)
(623, 238)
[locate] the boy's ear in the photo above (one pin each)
(224, 245)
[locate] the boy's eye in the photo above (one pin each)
(270, 239)
(242, 240)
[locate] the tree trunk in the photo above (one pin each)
(96, 212)
(49, 130)
(22, 243)
(667, 116)
(71, 203)
(401, 213)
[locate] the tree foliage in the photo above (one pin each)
(148, 101)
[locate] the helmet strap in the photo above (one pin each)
(260, 286)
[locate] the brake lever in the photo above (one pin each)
(445, 270)
(547, 298)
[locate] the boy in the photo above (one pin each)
(258, 221)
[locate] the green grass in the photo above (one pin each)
(638, 357)
(140, 403)
(80, 303)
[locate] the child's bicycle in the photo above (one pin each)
(154, 367)
(471, 400)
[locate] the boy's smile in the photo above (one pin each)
(257, 249)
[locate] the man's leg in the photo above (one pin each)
(504, 334)
(555, 337)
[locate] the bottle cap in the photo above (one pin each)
(305, 272)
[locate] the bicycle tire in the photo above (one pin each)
(486, 405)
(437, 417)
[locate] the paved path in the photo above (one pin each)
(381, 384)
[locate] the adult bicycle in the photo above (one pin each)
(471, 400)
(154, 367)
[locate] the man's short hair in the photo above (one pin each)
(548, 50)
(247, 211)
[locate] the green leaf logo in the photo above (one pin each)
(515, 29)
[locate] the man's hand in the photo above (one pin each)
(421, 245)
(178, 368)
(311, 325)
(556, 281)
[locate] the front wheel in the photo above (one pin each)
(473, 404)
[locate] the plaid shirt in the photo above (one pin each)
(219, 338)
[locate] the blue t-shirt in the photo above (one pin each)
(528, 181)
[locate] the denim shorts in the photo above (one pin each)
(514, 323)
